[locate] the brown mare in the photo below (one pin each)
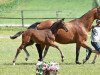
(44, 37)
(77, 31)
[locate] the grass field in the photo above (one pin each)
(8, 47)
(68, 67)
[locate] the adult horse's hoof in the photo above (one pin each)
(40, 59)
(62, 60)
(77, 62)
(93, 62)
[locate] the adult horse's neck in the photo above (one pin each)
(87, 20)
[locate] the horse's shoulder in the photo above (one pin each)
(45, 24)
(48, 21)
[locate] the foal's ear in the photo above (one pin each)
(60, 21)
(63, 19)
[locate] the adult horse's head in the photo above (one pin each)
(97, 13)
(60, 24)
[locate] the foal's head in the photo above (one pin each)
(60, 24)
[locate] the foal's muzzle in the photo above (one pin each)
(65, 29)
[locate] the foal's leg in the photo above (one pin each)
(77, 53)
(45, 51)
(62, 56)
(25, 41)
(18, 51)
(27, 54)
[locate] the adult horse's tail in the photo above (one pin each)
(16, 35)
(33, 26)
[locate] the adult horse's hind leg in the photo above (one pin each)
(40, 50)
(77, 53)
(45, 51)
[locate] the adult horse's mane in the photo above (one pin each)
(84, 18)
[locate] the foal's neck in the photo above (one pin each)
(54, 28)
(87, 20)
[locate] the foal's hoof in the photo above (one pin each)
(62, 58)
(77, 62)
(14, 64)
(84, 60)
(26, 59)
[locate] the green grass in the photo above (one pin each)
(8, 49)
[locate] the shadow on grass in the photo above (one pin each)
(20, 64)
(74, 63)
(64, 63)
(60, 63)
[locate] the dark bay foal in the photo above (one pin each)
(44, 37)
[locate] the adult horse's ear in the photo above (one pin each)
(98, 8)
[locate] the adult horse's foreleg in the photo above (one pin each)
(45, 51)
(94, 58)
(40, 50)
(77, 53)
(84, 44)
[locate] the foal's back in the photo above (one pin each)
(39, 36)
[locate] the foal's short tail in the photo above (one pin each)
(16, 35)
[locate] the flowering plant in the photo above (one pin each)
(53, 66)
(43, 68)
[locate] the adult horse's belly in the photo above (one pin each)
(64, 37)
